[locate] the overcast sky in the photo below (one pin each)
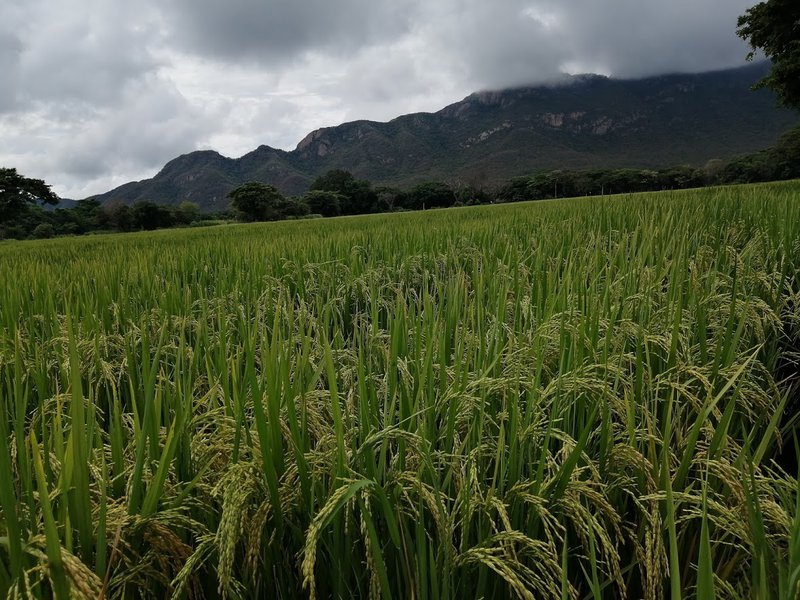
(95, 93)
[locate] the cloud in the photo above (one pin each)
(156, 124)
(516, 42)
(92, 150)
(499, 45)
(99, 92)
(76, 51)
(10, 49)
(635, 38)
(278, 31)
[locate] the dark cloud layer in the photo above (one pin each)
(637, 38)
(281, 30)
(10, 49)
(98, 92)
(518, 41)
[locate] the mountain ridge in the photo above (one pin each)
(585, 121)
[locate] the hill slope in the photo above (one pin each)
(489, 137)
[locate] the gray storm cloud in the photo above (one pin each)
(639, 38)
(99, 92)
(10, 49)
(281, 30)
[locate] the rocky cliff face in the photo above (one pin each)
(489, 137)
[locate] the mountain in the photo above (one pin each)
(585, 121)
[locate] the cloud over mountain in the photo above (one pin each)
(102, 91)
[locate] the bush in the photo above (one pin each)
(44, 231)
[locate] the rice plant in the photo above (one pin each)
(591, 398)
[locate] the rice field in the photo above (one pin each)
(590, 398)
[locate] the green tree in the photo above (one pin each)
(432, 194)
(516, 190)
(786, 155)
(187, 212)
(17, 193)
(85, 214)
(149, 215)
(774, 28)
(255, 201)
(43, 231)
(389, 199)
(335, 180)
(324, 202)
(292, 207)
(471, 195)
(358, 197)
(119, 216)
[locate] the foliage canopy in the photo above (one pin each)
(255, 201)
(774, 28)
(18, 192)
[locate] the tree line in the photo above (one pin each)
(338, 192)
(23, 212)
(778, 163)
(36, 219)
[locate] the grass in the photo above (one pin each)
(591, 398)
